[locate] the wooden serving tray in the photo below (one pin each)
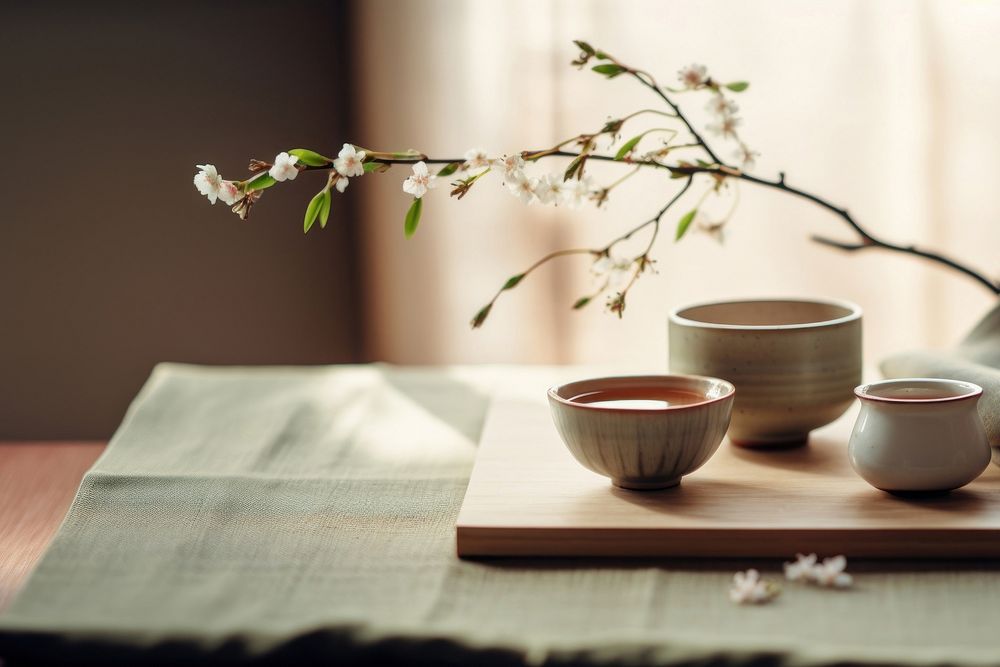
(528, 497)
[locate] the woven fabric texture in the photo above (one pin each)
(293, 515)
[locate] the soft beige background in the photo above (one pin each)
(889, 108)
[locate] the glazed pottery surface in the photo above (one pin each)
(643, 447)
(919, 435)
(794, 362)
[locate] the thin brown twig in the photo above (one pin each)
(641, 260)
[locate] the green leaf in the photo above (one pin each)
(628, 146)
(369, 167)
(586, 48)
(684, 223)
(574, 166)
(612, 126)
(310, 158)
(413, 217)
(407, 154)
(315, 204)
(610, 70)
(738, 86)
(581, 302)
(513, 281)
(449, 169)
(324, 209)
(481, 316)
(259, 182)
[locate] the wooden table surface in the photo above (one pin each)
(527, 497)
(37, 483)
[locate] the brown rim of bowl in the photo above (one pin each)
(863, 391)
(854, 313)
(553, 393)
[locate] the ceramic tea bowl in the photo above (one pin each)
(919, 435)
(644, 432)
(794, 362)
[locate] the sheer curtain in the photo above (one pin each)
(887, 108)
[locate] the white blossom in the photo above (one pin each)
(341, 183)
(349, 162)
(831, 573)
(749, 588)
(575, 190)
(510, 164)
(211, 184)
(208, 181)
(613, 269)
(714, 228)
(521, 185)
(725, 127)
(693, 75)
(229, 193)
(420, 181)
(475, 158)
(548, 187)
(720, 105)
(801, 569)
(747, 157)
(284, 167)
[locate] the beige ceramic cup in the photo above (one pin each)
(643, 448)
(795, 363)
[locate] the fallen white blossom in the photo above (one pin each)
(749, 588)
(801, 569)
(830, 573)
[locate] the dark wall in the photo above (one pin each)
(110, 261)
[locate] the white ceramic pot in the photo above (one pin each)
(919, 435)
(794, 362)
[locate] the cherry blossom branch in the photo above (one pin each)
(617, 303)
(868, 239)
(515, 280)
(573, 185)
(646, 79)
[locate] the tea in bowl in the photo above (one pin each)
(644, 432)
(794, 362)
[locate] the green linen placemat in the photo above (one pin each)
(291, 514)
